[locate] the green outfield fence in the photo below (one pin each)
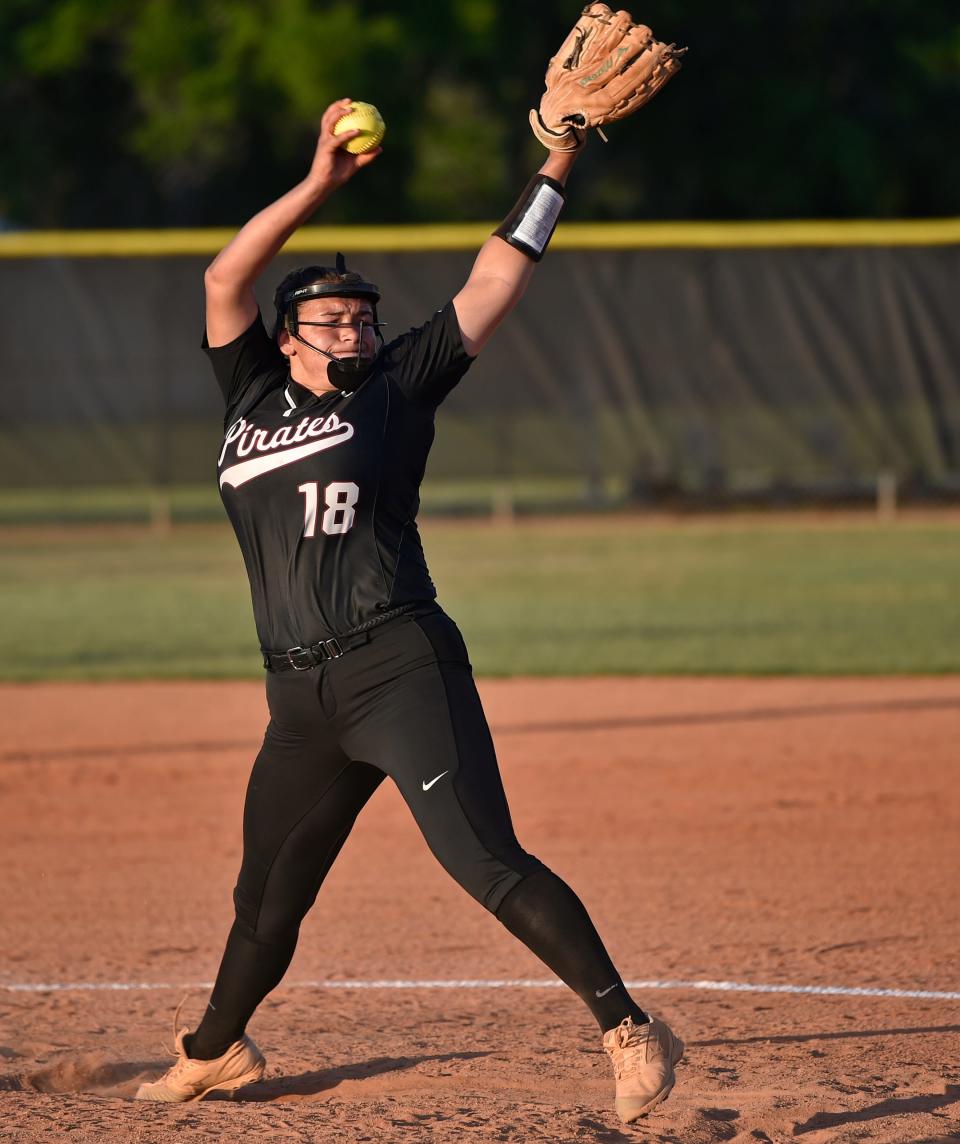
(651, 364)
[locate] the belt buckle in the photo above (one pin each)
(333, 648)
(292, 652)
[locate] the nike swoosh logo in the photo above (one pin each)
(245, 471)
(605, 992)
(427, 786)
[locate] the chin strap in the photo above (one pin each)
(346, 375)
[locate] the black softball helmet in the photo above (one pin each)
(324, 281)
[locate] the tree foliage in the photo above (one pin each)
(194, 112)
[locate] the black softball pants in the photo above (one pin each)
(403, 705)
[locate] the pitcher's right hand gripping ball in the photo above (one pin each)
(606, 68)
(366, 119)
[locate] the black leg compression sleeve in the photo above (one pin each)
(548, 917)
(289, 847)
(248, 972)
(254, 965)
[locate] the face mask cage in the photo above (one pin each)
(341, 284)
(362, 326)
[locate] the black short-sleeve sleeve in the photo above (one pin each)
(248, 367)
(427, 362)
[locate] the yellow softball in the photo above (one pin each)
(365, 118)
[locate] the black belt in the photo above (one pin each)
(303, 658)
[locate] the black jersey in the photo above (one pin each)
(323, 491)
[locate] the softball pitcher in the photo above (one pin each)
(327, 431)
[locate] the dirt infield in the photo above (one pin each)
(757, 832)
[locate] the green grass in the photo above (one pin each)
(739, 595)
(141, 504)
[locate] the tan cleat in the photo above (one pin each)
(188, 1079)
(643, 1058)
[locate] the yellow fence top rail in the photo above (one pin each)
(469, 236)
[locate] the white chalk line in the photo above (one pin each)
(705, 986)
